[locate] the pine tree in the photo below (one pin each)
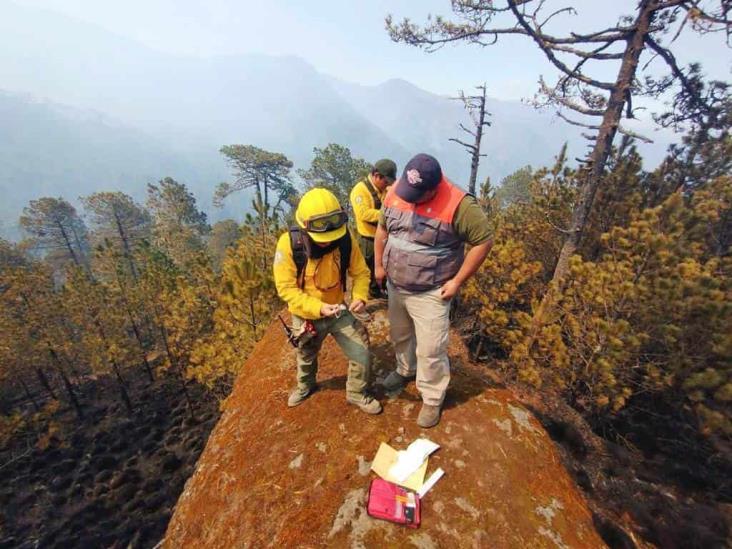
(264, 171)
(109, 265)
(224, 234)
(245, 304)
(35, 323)
(181, 310)
(116, 218)
(102, 327)
(178, 226)
(334, 167)
(57, 229)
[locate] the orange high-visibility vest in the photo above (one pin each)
(423, 250)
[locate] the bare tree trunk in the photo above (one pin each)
(67, 384)
(135, 328)
(141, 345)
(67, 241)
(84, 257)
(29, 395)
(122, 387)
(125, 245)
(44, 381)
(475, 157)
(263, 229)
(598, 157)
(176, 365)
(606, 134)
(252, 315)
(472, 104)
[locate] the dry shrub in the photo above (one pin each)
(651, 315)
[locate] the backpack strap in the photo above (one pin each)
(299, 254)
(344, 246)
(374, 196)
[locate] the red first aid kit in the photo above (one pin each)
(393, 503)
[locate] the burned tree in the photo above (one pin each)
(475, 105)
(600, 106)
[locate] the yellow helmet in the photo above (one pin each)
(320, 214)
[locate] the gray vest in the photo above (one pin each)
(423, 251)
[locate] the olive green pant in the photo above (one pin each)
(367, 249)
(352, 338)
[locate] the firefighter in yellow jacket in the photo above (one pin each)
(311, 264)
(366, 198)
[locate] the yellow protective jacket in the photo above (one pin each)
(322, 282)
(364, 209)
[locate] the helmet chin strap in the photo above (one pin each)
(316, 252)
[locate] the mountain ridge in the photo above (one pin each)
(185, 108)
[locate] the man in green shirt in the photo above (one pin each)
(420, 248)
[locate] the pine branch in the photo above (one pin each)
(622, 130)
(466, 145)
(544, 45)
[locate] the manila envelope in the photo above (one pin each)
(386, 457)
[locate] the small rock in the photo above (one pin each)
(423, 540)
(363, 466)
(504, 426)
(549, 511)
(459, 463)
(322, 447)
(297, 462)
(466, 506)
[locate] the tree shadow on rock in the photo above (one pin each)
(465, 384)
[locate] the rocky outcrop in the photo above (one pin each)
(274, 476)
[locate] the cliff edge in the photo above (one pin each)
(275, 476)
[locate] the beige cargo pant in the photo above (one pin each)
(352, 338)
(420, 325)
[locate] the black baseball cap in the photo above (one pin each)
(387, 168)
(421, 174)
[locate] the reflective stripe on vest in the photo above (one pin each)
(423, 251)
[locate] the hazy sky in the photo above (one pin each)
(346, 39)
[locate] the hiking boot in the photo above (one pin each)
(429, 416)
(365, 403)
(298, 395)
(395, 382)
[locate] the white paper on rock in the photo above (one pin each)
(430, 482)
(412, 458)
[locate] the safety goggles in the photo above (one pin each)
(326, 222)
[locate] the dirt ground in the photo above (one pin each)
(273, 476)
(109, 480)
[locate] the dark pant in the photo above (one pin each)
(367, 249)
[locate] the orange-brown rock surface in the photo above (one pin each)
(274, 476)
